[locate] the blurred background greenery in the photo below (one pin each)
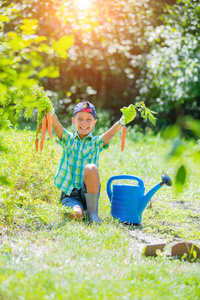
(112, 53)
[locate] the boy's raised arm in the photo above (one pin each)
(128, 115)
(57, 127)
(108, 135)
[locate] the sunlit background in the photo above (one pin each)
(111, 52)
(83, 4)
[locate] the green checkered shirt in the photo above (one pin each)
(76, 155)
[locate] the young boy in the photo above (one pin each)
(78, 175)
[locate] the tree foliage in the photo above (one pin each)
(172, 72)
(123, 52)
(26, 56)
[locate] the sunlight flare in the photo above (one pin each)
(83, 4)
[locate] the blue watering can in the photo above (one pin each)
(128, 201)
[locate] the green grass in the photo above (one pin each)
(45, 256)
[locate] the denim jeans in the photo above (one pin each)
(77, 197)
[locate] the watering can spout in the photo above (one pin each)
(146, 198)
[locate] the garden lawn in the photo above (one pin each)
(45, 256)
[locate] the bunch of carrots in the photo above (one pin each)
(35, 97)
(44, 126)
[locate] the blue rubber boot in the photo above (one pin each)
(92, 207)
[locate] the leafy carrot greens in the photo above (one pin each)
(34, 97)
(129, 113)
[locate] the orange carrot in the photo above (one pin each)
(44, 128)
(49, 124)
(36, 144)
(123, 138)
(40, 128)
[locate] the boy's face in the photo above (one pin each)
(84, 123)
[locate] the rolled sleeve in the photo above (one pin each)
(65, 138)
(100, 143)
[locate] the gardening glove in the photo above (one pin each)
(129, 114)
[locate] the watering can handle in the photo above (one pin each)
(109, 191)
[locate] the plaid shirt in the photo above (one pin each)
(76, 155)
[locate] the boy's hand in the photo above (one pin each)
(129, 114)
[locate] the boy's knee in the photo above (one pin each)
(91, 178)
(91, 168)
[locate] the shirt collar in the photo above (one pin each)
(89, 136)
